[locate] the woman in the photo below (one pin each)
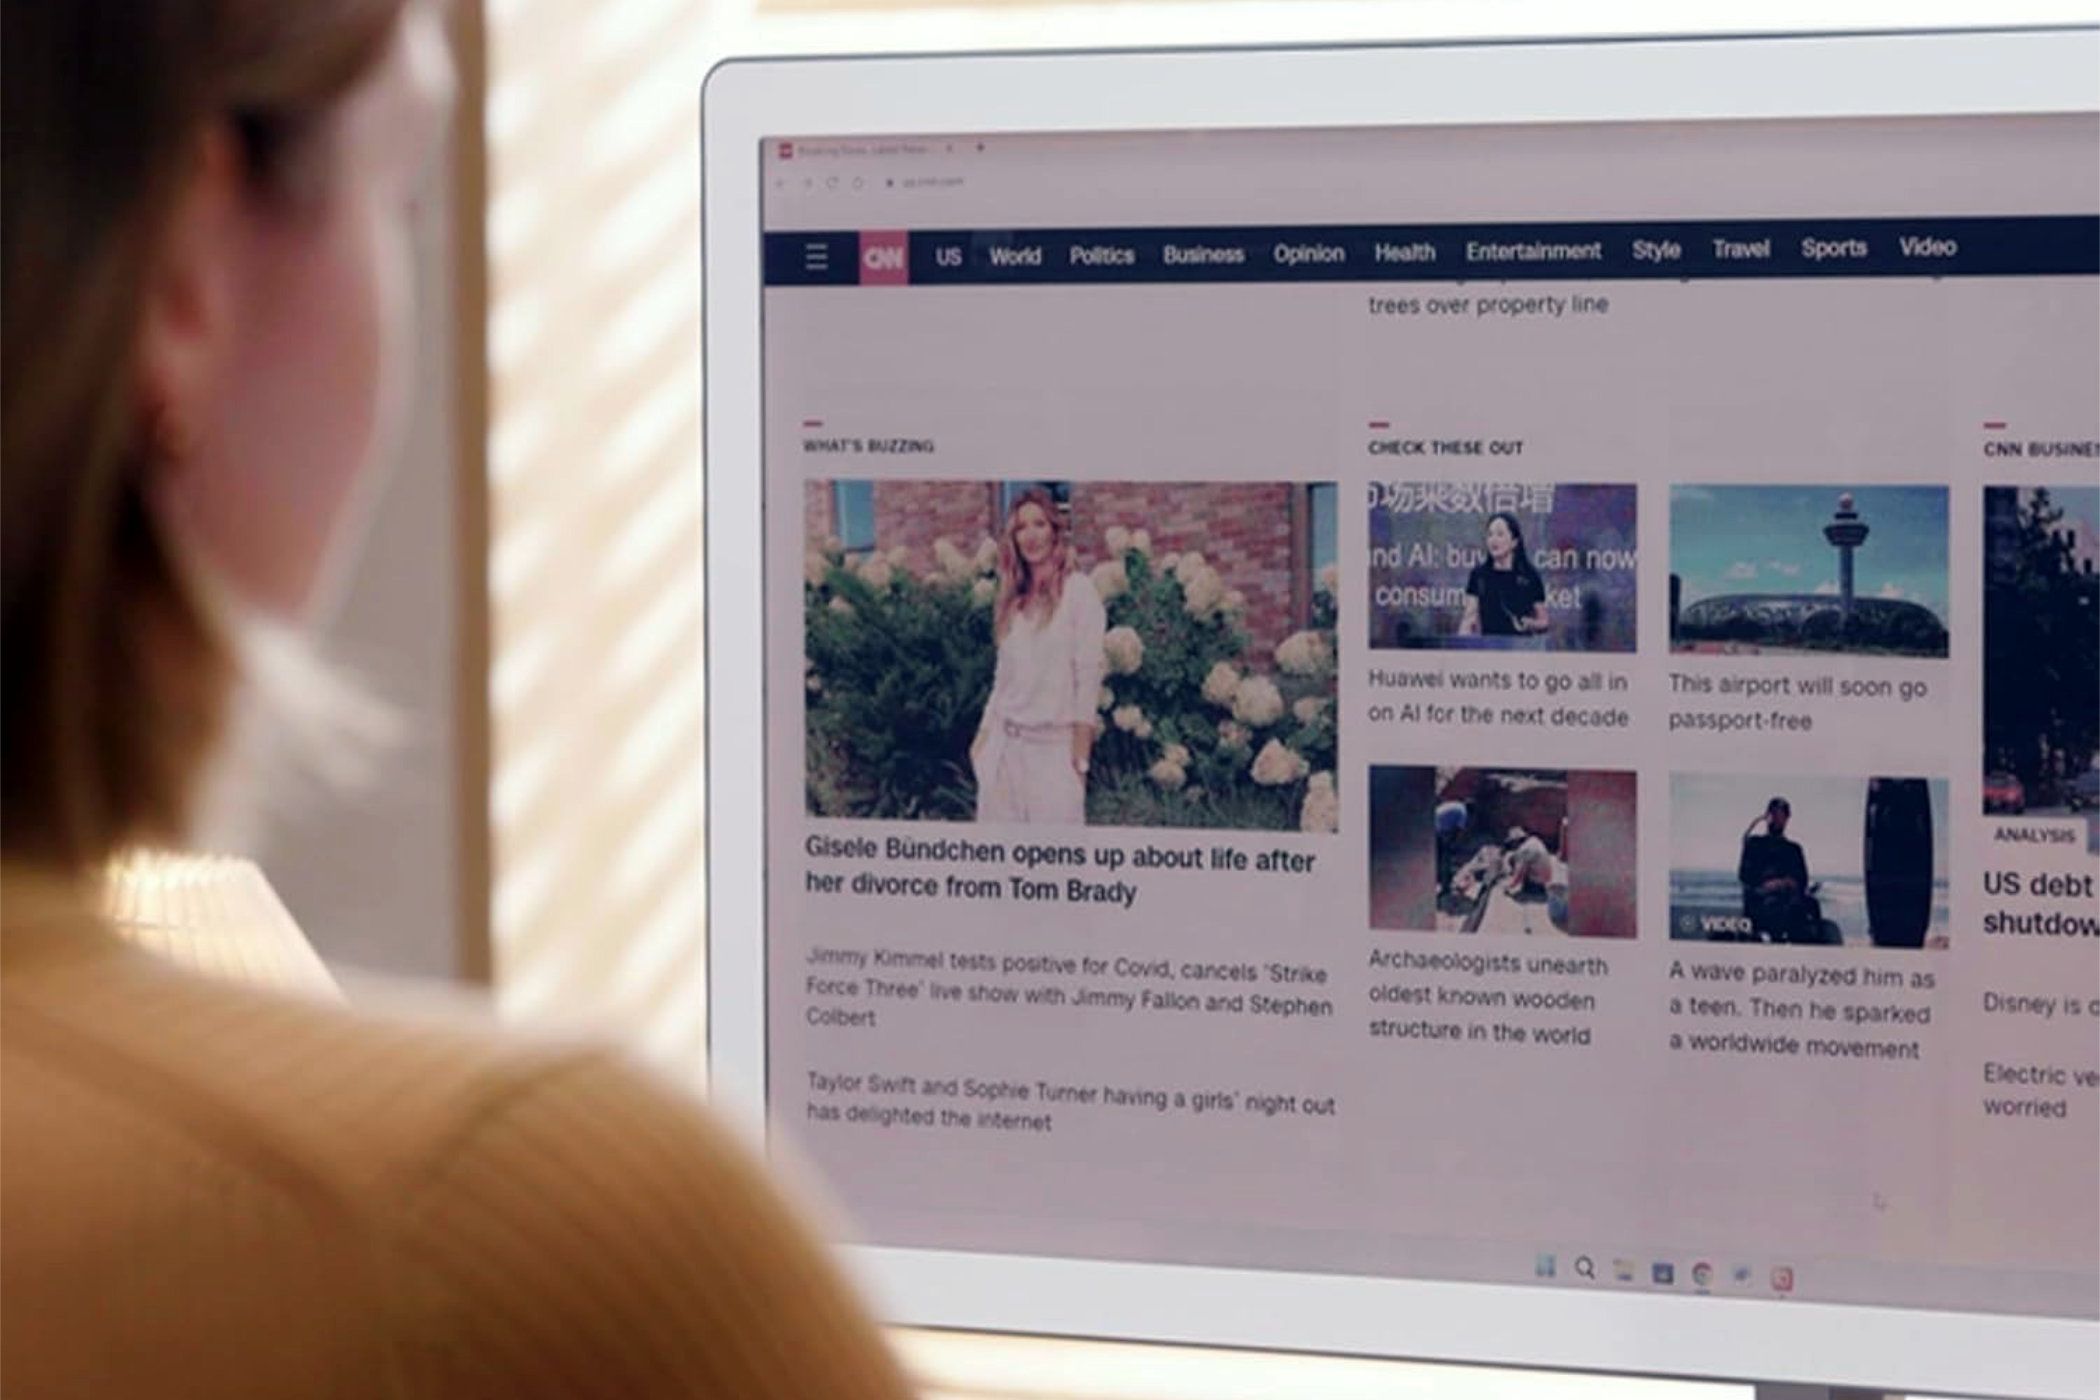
(1037, 736)
(208, 1190)
(1505, 597)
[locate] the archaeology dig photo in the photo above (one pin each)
(1798, 570)
(1809, 858)
(1539, 851)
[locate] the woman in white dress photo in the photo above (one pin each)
(1034, 743)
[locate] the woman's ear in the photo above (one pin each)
(188, 305)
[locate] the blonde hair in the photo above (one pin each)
(1022, 588)
(117, 669)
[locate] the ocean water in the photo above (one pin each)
(1694, 893)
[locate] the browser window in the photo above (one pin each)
(1510, 704)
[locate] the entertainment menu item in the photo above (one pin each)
(1313, 729)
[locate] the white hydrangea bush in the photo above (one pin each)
(1125, 650)
(1198, 729)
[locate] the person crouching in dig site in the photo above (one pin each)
(1037, 735)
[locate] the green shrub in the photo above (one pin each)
(898, 677)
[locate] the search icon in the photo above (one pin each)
(1585, 1266)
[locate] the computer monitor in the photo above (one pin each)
(1426, 701)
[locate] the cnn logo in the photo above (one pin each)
(883, 257)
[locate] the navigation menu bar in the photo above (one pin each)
(2019, 246)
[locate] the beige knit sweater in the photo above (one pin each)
(212, 1191)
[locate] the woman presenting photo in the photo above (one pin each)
(1033, 744)
(1505, 597)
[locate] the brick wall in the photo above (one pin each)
(819, 516)
(1246, 532)
(909, 513)
(1243, 529)
(914, 514)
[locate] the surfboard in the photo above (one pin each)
(1898, 862)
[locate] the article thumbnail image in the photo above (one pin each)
(2041, 652)
(1788, 570)
(1064, 652)
(1503, 850)
(1542, 566)
(1812, 858)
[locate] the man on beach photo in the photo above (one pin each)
(1773, 872)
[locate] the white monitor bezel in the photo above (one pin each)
(1445, 83)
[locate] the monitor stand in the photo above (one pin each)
(1783, 1390)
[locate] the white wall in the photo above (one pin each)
(371, 874)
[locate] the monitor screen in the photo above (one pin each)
(1496, 704)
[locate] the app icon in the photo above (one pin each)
(1702, 1274)
(1622, 1270)
(1741, 1276)
(1665, 1274)
(1782, 1278)
(1585, 1267)
(1547, 1266)
(787, 150)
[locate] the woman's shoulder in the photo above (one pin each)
(556, 1209)
(343, 1096)
(1082, 601)
(602, 1225)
